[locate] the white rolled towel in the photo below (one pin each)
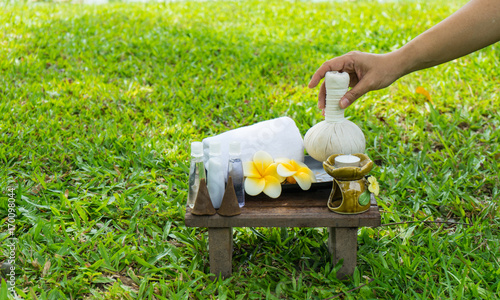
(279, 137)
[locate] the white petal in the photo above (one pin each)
(273, 187)
(306, 170)
(284, 171)
(249, 170)
(282, 160)
(254, 186)
(264, 157)
(304, 180)
(298, 164)
(272, 170)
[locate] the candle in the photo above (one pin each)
(342, 161)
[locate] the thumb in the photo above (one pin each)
(353, 94)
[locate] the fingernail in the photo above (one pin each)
(344, 102)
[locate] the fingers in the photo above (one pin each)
(322, 96)
(353, 79)
(355, 64)
(317, 76)
(366, 71)
(353, 94)
(335, 64)
(345, 102)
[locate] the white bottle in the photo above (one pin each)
(235, 170)
(215, 175)
(196, 172)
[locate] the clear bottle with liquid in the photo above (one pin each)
(235, 170)
(215, 175)
(196, 172)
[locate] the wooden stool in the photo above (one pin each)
(292, 209)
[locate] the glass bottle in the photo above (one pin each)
(196, 172)
(215, 175)
(235, 170)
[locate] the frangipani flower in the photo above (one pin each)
(373, 187)
(261, 175)
(295, 172)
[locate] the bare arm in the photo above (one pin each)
(474, 26)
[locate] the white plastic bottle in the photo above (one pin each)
(215, 175)
(235, 170)
(196, 172)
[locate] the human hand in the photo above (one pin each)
(367, 72)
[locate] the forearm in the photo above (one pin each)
(474, 26)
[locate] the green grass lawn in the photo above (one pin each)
(99, 105)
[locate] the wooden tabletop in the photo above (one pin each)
(294, 208)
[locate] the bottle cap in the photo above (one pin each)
(214, 148)
(234, 148)
(196, 149)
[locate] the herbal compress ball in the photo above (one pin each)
(335, 134)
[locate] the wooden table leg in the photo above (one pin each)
(343, 243)
(220, 246)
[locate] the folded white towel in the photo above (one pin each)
(279, 137)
